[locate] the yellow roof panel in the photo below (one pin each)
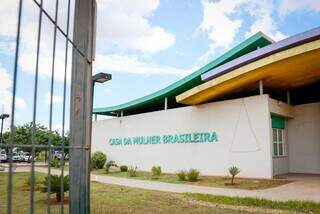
(291, 68)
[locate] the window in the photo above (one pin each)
(278, 142)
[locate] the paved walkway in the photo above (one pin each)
(303, 187)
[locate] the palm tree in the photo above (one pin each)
(56, 185)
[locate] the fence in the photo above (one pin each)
(80, 98)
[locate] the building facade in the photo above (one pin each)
(256, 107)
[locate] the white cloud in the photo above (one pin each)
(29, 35)
(223, 19)
(8, 17)
(7, 47)
(55, 99)
(132, 64)
(107, 90)
(221, 28)
(125, 25)
(6, 94)
(263, 11)
(288, 6)
(121, 24)
(28, 62)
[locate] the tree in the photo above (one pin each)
(233, 171)
(23, 135)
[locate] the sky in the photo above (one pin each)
(145, 44)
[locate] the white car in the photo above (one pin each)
(27, 157)
(3, 155)
(16, 157)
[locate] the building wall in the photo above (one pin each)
(281, 164)
(304, 139)
(242, 127)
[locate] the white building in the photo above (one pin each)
(256, 107)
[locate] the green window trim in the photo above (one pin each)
(278, 122)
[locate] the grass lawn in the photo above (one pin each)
(291, 206)
(107, 199)
(211, 181)
(118, 199)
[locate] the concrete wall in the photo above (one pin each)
(280, 165)
(242, 126)
(304, 139)
(280, 108)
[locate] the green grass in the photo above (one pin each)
(291, 206)
(107, 199)
(211, 181)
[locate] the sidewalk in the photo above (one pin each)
(304, 187)
(298, 190)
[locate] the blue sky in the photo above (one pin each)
(145, 44)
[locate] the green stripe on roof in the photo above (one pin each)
(188, 82)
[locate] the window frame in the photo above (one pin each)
(278, 140)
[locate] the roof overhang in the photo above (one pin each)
(155, 101)
(293, 65)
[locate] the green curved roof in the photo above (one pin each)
(155, 101)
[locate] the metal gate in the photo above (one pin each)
(82, 45)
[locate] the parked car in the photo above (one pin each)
(27, 157)
(3, 155)
(58, 155)
(16, 157)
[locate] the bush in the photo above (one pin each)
(56, 185)
(193, 175)
(132, 171)
(110, 164)
(233, 172)
(182, 175)
(156, 171)
(55, 163)
(123, 168)
(98, 160)
(37, 184)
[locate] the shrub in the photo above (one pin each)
(37, 184)
(193, 175)
(156, 171)
(98, 160)
(182, 175)
(110, 164)
(123, 168)
(132, 171)
(55, 163)
(233, 172)
(56, 185)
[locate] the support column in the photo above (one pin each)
(165, 103)
(81, 107)
(288, 97)
(260, 87)
(121, 115)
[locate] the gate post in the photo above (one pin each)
(81, 106)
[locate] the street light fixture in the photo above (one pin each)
(99, 78)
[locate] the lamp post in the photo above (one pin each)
(2, 117)
(99, 78)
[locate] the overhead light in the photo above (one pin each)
(4, 116)
(101, 77)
